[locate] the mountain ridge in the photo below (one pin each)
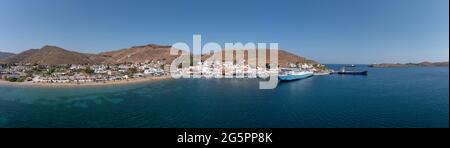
(5, 54)
(54, 55)
(421, 64)
(49, 55)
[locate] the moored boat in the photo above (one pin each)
(352, 72)
(344, 71)
(322, 73)
(290, 74)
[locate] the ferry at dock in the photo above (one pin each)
(290, 74)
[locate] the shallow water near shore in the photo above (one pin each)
(387, 97)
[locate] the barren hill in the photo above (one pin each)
(50, 55)
(422, 64)
(5, 54)
(139, 54)
(284, 57)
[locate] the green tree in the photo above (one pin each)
(10, 79)
(88, 70)
(21, 79)
(51, 70)
(132, 71)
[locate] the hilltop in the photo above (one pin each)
(139, 54)
(53, 55)
(284, 58)
(422, 64)
(5, 54)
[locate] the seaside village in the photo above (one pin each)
(74, 73)
(79, 74)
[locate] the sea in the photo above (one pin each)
(386, 98)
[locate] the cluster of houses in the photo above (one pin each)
(73, 73)
(103, 73)
(219, 69)
(13, 72)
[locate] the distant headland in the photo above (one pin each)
(422, 64)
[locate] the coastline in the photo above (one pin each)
(402, 65)
(81, 85)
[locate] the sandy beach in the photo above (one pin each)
(90, 84)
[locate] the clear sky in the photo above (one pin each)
(329, 31)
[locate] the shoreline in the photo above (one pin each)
(81, 85)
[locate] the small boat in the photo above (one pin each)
(290, 74)
(352, 72)
(344, 71)
(322, 73)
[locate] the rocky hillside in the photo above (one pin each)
(5, 54)
(139, 54)
(422, 64)
(52, 55)
(284, 57)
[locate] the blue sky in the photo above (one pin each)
(329, 31)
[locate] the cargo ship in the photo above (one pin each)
(345, 71)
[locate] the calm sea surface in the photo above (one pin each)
(387, 97)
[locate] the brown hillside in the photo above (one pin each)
(50, 55)
(284, 57)
(5, 54)
(139, 54)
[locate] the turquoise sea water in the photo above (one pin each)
(387, 97)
